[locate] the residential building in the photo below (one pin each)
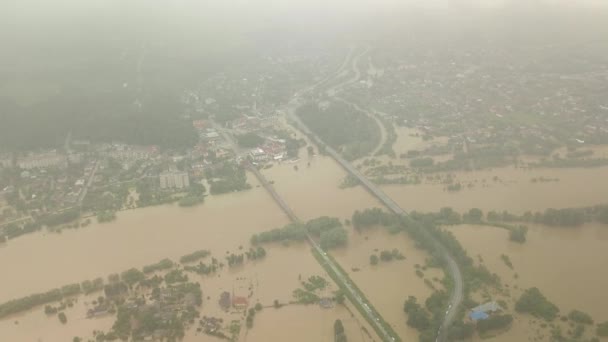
(42, 160)
(174, 180)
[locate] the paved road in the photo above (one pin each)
(457, 293)
(372, 315)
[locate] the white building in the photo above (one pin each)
(174, 180)
(5, 161)
(45, 160)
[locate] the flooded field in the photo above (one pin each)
(572, 261)
(388, 284)
(508, 189)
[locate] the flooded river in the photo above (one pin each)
(513, 190)
(39, 262)
(312, 191)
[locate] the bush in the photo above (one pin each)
(494, 322)
(532, 301)
(602, 329)
(580, 317)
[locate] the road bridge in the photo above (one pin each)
(373, 317)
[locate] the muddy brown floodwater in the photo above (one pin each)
(512, 191)
(566, 264)
(312, 191)
(39, 262)
(388, 284)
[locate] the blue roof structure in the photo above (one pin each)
(478, 315)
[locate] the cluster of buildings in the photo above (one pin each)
(174, 180)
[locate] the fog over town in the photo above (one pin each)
(291, 170)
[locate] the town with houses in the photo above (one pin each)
(97, 178)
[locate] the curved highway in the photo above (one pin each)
(458, 290)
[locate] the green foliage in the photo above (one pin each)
(602, 329)
(339, 333)
(290, 232)
(339, 296)
(563, 217)
(518, 234)
(191, 200)
(322, 224)
(305, 297)
(159, 266)
(63, 217)
(62, 318)
(194, 256)
(249, 140)
(506, 260)
(473, 216)
(256, 253)
(418, 318)
(421, 162)
(228, 177)
(448, 216)
(202, 268)
(347, 129)
(315, 283)
(106, 216)
(580, 317)
(334, 237)
(373, 259)
(371, 217)
(70, 290)
(494, 322)
(387, 255)
(349, 181)
(132, 276)
(26, 303)
(532, 301)
(461, 331)
(235, 259)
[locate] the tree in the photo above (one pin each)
(62, 318)
(339, 334)
(532, 301)
(373, 259)
(249, 140)
(333, 238)
(340, 297)
(132, 276)
(602, 329)
(258, 307)
(474, 215)
(338, 327)
(310, 150)
(494, 322)
(580, 317)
